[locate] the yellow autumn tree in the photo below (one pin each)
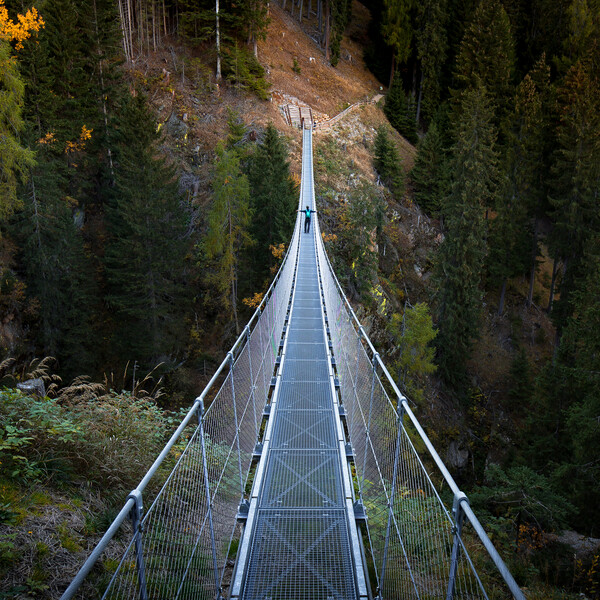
(14, 158)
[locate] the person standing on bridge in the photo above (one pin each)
(307, 213)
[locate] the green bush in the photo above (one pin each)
(107, 441)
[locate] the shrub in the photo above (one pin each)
(107, 441)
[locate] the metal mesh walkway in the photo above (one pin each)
(302, 539)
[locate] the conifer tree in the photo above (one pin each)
(462, 253)
(430, 174)
(487, 57)
(14, 158)
(147, 244)
(432, 45)
(413, 333)
(575, 198)
(355, 246)
(273, 197)
(513, 236)
(58, 273)
(396, 28)
(400, 112)
(387, 162)
(228, 228)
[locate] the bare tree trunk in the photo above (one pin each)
(283, 4)
(327, 30)
(301, 9)
(533, 262)
(153, 26)
(320, 14)
(218, 33)
(164, 18)
(419, 98)
(102, 90)
(552, 284)
(309, 9)
(124, 33)
(502, 295)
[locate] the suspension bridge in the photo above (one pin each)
(299, 473)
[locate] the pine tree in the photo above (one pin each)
(273, 198)
(575, 198)
(228, 224)
(14, 158)
(513, 237)
(432, 45)
(147, 244)
(356, 244)
(399, 111)
(430, 174)
(396, 28)
(387, 162)
(340, 12)
(57, 271)
(487, 56)
(413, 333)
(462, 253)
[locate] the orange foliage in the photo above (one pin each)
(253, 301)
(18, 32)
(79, 144)
(277, 251)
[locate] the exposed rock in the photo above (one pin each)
(176, 127)
(456, 456)
(584, 547)
(33, 387)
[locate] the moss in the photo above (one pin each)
(67, 540)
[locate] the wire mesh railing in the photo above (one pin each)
(419, 548)
(178, 547)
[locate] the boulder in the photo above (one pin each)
(457, 457)
(33, 387)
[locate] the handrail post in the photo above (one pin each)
(399, 422)
(136, 522)
(237, 426)
(208, 499)
(459, 514)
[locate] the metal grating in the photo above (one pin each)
(305, 336)
(303, 351)
(304, 395)
(292, 557)
(305, 370)
(303, 479)
(304, 429)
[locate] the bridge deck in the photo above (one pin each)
(302, 540)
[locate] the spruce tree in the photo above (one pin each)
(58, 273)
(430, 174)
(273, 198)
(399, 111)
(396, 28)
(14, 157)
(462, 253)
(487, 57)
(146, 246)
(387, 162)
(575, 197)
(228, 229)
(432, 45)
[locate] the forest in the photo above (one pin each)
(122, 277)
